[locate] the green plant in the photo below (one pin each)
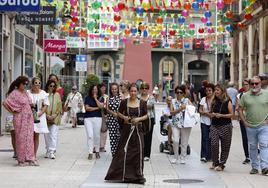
(90, 80)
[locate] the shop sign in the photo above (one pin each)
(46, 16)
(81, 63)
(55, 45)
(76, 42)
(20, 5)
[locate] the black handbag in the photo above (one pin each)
(80, 116)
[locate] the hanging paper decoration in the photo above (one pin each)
(229, 14)
(181, 20)
(121, 6)
(220, 4)
(185, 13)
(209, 23)
(187, 6)
(195, 5)
(207, 14)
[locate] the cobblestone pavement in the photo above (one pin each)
(72, 169)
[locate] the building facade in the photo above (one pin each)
(17, 54)
(249, 50)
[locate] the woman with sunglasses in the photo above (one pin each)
(221, 127)
(40, 104)
(180, 134)
(94, 103)
(19, 103)
(151, 100)
(53, 115)
(55, 78)
(127, 164)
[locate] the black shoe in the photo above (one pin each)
(264, 171)
(254, 171)
(246, 161)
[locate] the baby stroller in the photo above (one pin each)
(164, 146)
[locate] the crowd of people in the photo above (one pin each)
(127, 114)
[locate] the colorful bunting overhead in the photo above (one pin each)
(174, 22)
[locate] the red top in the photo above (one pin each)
(60, 91)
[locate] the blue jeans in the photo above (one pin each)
(258, 137)
(205, 142)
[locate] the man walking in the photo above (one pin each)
(255, 105)
(232, 93)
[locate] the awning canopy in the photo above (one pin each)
(56, 61)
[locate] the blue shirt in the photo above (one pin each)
(90, 101)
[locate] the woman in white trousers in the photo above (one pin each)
(93, 120)
(53, 116)
(180, 134)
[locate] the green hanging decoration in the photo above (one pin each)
(163, 12)
(95, 16)
(91, 26)
(96, 5)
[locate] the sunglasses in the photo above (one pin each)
(26, 83)
(144, 88)
(121, 85)
(52, 86)
(37, 83)
(254, 83)
(179, 92)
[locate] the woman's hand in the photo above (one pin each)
(126, 119)
(183, 107)
(135, 121)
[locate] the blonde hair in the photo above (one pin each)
(224, 96)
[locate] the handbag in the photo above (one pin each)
(80, 118)
(66, 106)
(51, 121)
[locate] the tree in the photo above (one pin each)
(90, 80)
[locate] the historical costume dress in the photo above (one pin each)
(127, 164)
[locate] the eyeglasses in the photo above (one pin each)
(37, 83)
(179, 92)
(52, 86)
(254, 83)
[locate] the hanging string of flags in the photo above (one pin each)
(176, 22)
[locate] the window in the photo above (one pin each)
(168, 67)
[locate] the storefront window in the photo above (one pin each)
(29, 66)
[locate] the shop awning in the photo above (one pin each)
(56, 61)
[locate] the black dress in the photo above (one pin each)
(127, 164)
(113, 124)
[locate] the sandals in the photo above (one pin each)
(33, 163)
(21, 164)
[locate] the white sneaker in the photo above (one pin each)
(182, 161)
(146, 159)
(52, 156)
(47, 154)
(173, 161)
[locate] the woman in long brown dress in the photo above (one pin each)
(127, 164)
